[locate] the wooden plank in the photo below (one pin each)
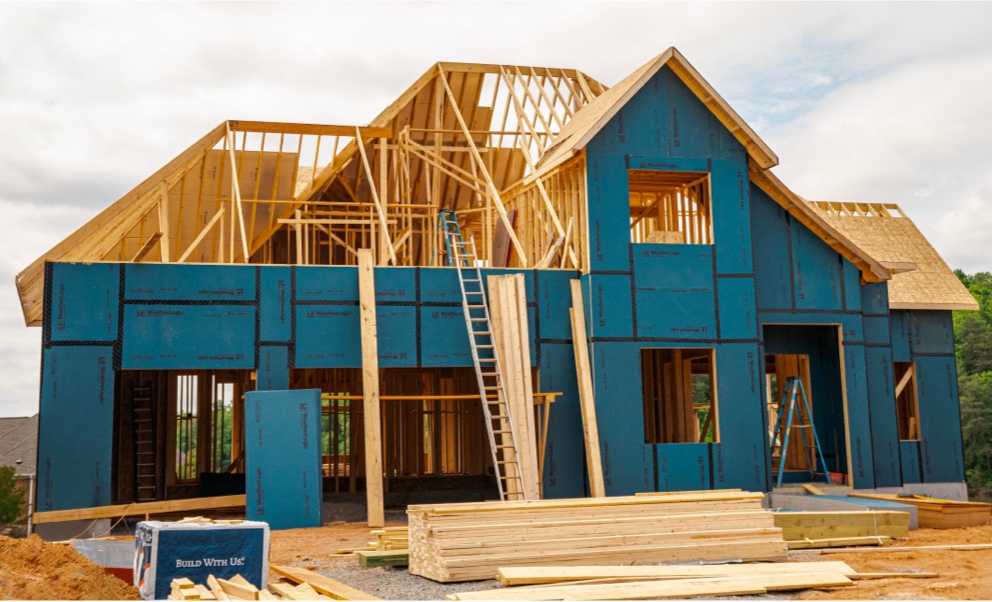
(216, 589)
(534, 575)
(276, 127)
(811, 489)
(136, 509)
(238, 591)
(370, 390)
(324, 585)
(674, 588)
(957, 547)
(383, 558)
(587, 401)
(837, 542)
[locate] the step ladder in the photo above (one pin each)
(792, 393)
(144, 445)
(499, 425)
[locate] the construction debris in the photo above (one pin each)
(466, 542)
(323, 585)
(310, 586)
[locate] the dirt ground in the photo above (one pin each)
(31, 569)
(963, 575)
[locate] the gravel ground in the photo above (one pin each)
(395, 583)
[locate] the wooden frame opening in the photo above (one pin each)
(907, 401)
(680, 401)
(670, 207)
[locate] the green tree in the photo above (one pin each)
(973, 348)
(13, 501)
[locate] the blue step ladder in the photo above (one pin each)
(499, 425)
(792, 393)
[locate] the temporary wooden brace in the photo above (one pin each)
(587, 400)
(370, 389)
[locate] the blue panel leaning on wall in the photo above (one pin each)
(75, 437)
(282, 458)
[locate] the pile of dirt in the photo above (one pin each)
(32, 569)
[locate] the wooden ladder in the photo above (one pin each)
(144, 445)
(792, 392)
(499, 425)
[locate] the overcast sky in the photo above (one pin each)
(885, 102)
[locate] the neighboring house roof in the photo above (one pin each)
(19, 441)
(921, 279)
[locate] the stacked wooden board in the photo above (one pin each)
(938, 514)
(803, 530)
(466, 542)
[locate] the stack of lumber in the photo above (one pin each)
(466, 542)
(388, 549)
(673, 581)
(803, 530)
(302, 584)
(511, 337)
(390, 538)
(938, 514)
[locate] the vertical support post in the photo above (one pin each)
(370, 388)
(587, 400)
(163, 223)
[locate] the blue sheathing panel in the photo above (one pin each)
(396, 327)
(609, 306)
(732, 216)
(188, 336)
(772, 252)
(911, 468)
(273, 368)
(565, 473)
(737, 312)
(275, 304)
(443, 338)
(683, 466)
(931, 332)
(874, 298)
(85, 300)
(852, 287)
(75, 438)
(628, 462)
(395, 285)
(817, 271)
(899, 333)
(876, 330)
(554, 297)
(884, 432)
(940, 421)
(174, 282)
(862, 470)
(328, 336)
(609, 228)
(674, 291)
(741, 456)
(439, 285)
(321, 283)
(282, 458)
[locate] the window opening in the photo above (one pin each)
(907, 402)
(679, 389)
(186, 422)
(670, 207)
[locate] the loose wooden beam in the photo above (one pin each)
(370, 389)
(587, 401)
(136, 509)
(324, 585)
(375, 197)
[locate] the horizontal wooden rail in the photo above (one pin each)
(276, 127)
(203, 503)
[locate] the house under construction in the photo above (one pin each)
(250, 262)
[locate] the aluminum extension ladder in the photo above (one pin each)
(791, 393)
(499, 425)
